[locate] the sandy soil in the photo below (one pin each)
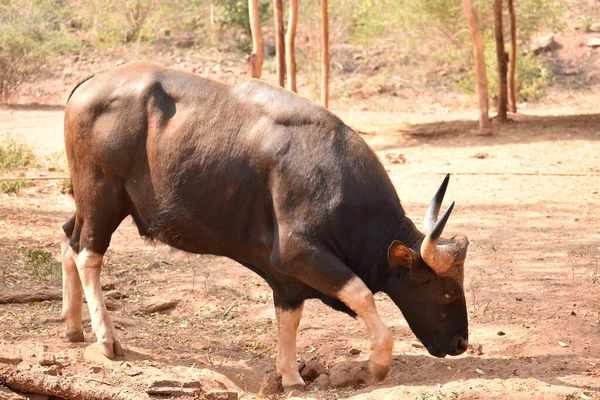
(527, 198)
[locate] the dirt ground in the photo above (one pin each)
(526, 197)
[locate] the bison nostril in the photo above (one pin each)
(461, 345)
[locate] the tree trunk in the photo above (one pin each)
(512, 95)
(324, 54)
(290, 39)
(502, 62)
(257, 57)
(279, 40)
(482, 90)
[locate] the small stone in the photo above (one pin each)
(220, 395)
(11, 359)
(322, 382)
(35, 396)
(593, 43)
(545, 43)
(6, 394)
(52, 370)
(481, 156)
(157, 305)
(46, 359)
(112, 305)
(475, 349)
(354, 351)
(173, 387)
(479, 371)
(417, 345)
(500, 333)
(570, 72)
(115, 295)
(348, 374)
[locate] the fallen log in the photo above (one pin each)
(72, 388)
(30, 297)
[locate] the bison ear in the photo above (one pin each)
(400, 256)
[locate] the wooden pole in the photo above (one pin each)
(257, 57)
(279, 40)
(502, 105)
(481, 77)
(290, 39)
(512, 95)
(324, 54)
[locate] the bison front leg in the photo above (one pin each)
(288, 319)
(360, 299)
(88, 266)
(326, 273)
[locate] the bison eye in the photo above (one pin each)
(444, 316)
(448, 296)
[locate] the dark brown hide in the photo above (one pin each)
(251, 172)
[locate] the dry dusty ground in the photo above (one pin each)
(528, 199)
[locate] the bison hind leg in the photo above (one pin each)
(72, 288)
(101, 207)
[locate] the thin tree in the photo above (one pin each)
(257, 57)
(279, 40)
(290, 39)
(482, 90)
(324, 54)
(502, 105)
(512, 96)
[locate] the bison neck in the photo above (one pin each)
(367, 255)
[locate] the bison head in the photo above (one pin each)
(427, 285)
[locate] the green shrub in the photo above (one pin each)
(533, 77)
(67, 186)
(14, 155)
(586, 23)
(30, 31)
(14, 187)
(21, 58)
(112, 23)
(235, 14)
(42, 264)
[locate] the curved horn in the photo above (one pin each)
(439, 258)
(434, 208)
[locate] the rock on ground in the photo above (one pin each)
(348, 374)
(312, 370)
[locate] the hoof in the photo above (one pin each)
(379, 371)
(75, 337)
(110, 350)
(298, 387)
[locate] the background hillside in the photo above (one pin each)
(385, 54)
